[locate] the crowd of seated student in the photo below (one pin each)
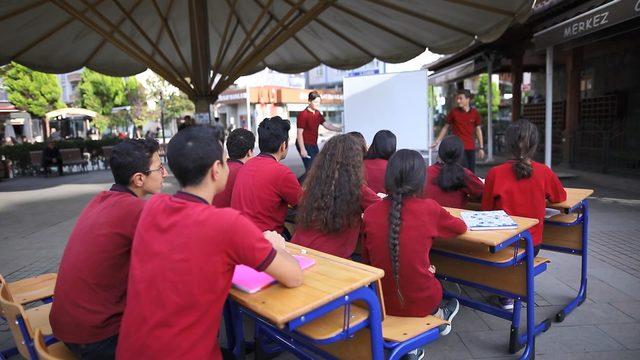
(265, 188)
(240, 144)
(161, 255)
(375, 161)
(334, 198)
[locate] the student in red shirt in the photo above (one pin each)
(264, 188)
(447, 182)
(308, 122)
(465, 122)
(330, 211)
(184, 254)
(521, 186)
(240, 144)
(92, 281)
(375, 162)
(397, 237)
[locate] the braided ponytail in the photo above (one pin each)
(394, 239)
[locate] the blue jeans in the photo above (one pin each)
(312, 151)
(99, 350)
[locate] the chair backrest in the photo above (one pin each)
(59, 352)
(36, 157)
(4, 283)
(11, 311)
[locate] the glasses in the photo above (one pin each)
(160, 168)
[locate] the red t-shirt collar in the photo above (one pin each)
(122, 188)
(190, 197)
(267, 155)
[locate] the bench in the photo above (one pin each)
(73, 158)
(106, 155)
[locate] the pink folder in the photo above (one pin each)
(251, 281)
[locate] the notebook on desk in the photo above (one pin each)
(252, 281)
(488, 220)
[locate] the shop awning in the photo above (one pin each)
(203, 46)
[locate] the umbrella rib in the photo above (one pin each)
(146, 36)
(223, 40)
(23, 9)
(422, 17)
(338, 33)
(378, 25)
(172, 37)
(104, 41)
(274, 32)
(224, 52)
(305, 47)
(491, 9)
(137, 53)
(47, 35)
(250, 61)
(160, 31)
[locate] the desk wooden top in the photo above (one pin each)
(493, 237)
(328, 279)
(574, 197)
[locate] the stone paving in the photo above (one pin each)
(37, 215)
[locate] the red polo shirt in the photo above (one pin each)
(457, 198)
(223, 199)
(92, 281)
(341, 244)
(422, 220)
(374, 171)
(464, 125)
(524, 197)
(309, 122)
(183, 257)
(263, 191)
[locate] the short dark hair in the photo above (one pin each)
(382, 146)
(130, 157)
(464, 92)
(271, 133)
(192, 152)
(313, 95)
(239, 142)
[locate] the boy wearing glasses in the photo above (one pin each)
(92, 280)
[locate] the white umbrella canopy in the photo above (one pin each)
(203, 46)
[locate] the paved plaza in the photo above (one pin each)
(37, 214)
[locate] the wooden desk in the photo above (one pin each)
(328, 279)
(574, 197)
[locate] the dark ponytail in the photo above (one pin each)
(404, 178)
(522, 141)
(452, 176)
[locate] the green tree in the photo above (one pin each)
(175, 102)
(101, 93)
(481, 98)
(31, 91)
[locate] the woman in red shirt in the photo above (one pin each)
(397, 237)
(375, 162)
(447, 182)
(330, 211)
(521, 186)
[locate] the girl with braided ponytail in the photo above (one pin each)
(397, 236)
(448, 183)
(521, 186)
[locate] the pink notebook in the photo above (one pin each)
(251, 281)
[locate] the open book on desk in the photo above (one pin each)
(488, 220)
(252, 281)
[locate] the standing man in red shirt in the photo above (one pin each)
(308, 122)
(240, 144)
(91, 288)
(265, 188)
(184, 255)
(465, 122)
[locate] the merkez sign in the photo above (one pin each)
(609, 14)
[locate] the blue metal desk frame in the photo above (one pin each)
(516, 340)
(303, 347)
(582, 209)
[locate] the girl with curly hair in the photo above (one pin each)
(330, 211)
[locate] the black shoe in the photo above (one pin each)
(419, 355)
(449, 311)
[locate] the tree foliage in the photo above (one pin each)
(482, 97)
(31, 91)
